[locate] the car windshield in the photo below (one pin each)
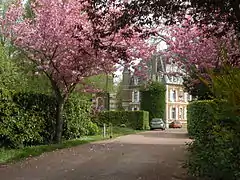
(156, 120)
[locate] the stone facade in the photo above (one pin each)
(159, 70)
(176, 103)
(130, 91)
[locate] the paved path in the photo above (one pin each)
(153, 155)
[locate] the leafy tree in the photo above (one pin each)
(11, 76)
(72, 40)
(204, 12)
(103, 82)
(189, 48)
(198, 89)
(153, 99)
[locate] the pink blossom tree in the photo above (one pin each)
(189, 47)
(71, 40)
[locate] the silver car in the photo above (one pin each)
(157, 123)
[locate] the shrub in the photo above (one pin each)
(138, 120)
(77, 120)
(41, 104)
(215, 151)
(153, 100)
(201, 114)
(93, 129)
(18, 127)
(123, 125)
(29, 119)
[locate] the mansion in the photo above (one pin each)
(159, 70)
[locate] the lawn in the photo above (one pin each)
(13, 155)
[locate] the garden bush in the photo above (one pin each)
(138, 120)
(29, 119)
(215, 150)
(42, 104)
(18, 127)
(77, 119)
(201, 114)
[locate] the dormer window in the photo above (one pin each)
(175, 79)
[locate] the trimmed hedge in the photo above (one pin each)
(153, 99)
(201, 114)
(138, 120)
(215, 151)
(29, 119)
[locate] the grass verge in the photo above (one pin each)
(13, 155)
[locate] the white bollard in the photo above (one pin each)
(104, 130)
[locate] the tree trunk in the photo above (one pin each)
(59, 120)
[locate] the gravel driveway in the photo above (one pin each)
(152, 155)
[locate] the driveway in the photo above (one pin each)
(152, 155)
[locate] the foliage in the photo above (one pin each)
(138, 120)
(198, 89)
(77, 120)
(29, 119)
(101, 82)
(119, 96)
(153, 99)
(226, 86)
(43, 104)
(11, 76)
(205, 12)
(200, 115)
(18, 75)
(215, 151)
(197, 54)
(19, 127)
(189, 46)
(68, 46)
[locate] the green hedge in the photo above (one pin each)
(138, 120)
(77, 118)
(153, 99)
(42, 105)
(29, 119)
(18, 127)
(215, 150)
(201, 114)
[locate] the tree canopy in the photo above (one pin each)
(214, 12)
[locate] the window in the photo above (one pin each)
(180, 113)
(175, 79)
(173, 113)
(185, 97)
(180, 95)
(135, 96)
(189, 97)
(172, 95)
(135, 80)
